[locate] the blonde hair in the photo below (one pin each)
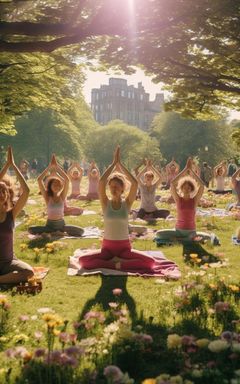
(6, 183)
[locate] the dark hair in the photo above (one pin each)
(49, 185)
(187, 180)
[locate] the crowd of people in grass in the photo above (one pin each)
(117, 189)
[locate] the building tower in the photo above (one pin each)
(118, 100)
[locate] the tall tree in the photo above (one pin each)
(41, 132)
(135, 144)
(179, 138)
(190, 46)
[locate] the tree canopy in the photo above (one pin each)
(180, 138)
(135, 144)
(190, 46)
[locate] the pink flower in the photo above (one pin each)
(63, 337)
(23, 318)
(38, 335)
(221, 306)
(117, 291)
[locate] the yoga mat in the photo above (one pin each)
(164, 268)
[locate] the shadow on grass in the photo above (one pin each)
(105, 295)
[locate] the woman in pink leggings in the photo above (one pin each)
(116, 250)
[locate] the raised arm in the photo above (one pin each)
(234, 177)
(130, 198)
(24, 187)
(71, 168)
(102, 186)
(62, 174)
(40, 181)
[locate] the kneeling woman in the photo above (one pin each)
(186, 189)
(12, 270)
(116, 252)
(54, 194)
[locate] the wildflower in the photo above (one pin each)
(20, 338)
(218, 345)
(236, 347)
(113, 305)
(23, 318)
(149, 381)
(38, 335)
(113, 373)
(40, 352)
(221, 306)
(174, 341)
(63, 337)
(202, 343)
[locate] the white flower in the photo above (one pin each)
(218, 345)
(45, 310)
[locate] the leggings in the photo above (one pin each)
(158, 213)
(56, 225)
(117, 254)
(174, 235)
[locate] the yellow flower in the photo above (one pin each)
(198, 260)
(149, 381)
(234, 288)
(193, 255)
(36, 250)
(56, 332)
(202, 343)
(174, 341)
(23, 246)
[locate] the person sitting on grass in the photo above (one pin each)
(148, 186)
(236, 188)
(75, 173)
(186, 189)
(93, 180)
(12, 270)
(54, 194)
(172, 169)
(220, 173)
(116, 252)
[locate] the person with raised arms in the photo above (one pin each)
(54, 194)
(12, 270)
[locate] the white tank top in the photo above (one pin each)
(116, 222)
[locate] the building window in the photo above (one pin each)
(129, 95)
(141, 97)
(122, 93)
(96, 107)
(133, 95)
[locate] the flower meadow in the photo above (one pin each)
(116, 330)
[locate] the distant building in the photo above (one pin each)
(118, 100)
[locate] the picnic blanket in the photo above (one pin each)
(165, 268)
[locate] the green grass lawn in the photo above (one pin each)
(150, 301)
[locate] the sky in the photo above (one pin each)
(95, 79)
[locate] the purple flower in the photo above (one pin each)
(74, 351)
(113, 373)
(227, 335)
(39, 352)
